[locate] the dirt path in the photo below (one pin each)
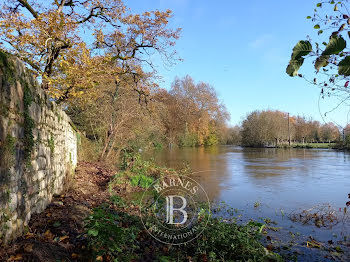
(56, 234)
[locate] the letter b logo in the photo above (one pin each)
(170, 210)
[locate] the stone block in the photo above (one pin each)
(41, 162)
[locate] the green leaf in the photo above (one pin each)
(294, 65)
(57, 224)
(93, 232)
(335, 46)
(317, 26)
(320, 32)
(302, 48)
(344, 66)
(321, 61)
(336, 8)
(319, 5)
(308, 17)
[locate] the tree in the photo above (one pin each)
(233, 136)
(191, 113)
(330, 54)
(262, 128)
(202, 114)
(115, 122)
(49, 36)
(329, 132)
(301, 129)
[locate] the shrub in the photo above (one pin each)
(112, 234)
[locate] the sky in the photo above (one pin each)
(242, 49)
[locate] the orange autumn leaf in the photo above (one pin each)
(17, 257)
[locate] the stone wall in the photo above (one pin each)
(38, 148)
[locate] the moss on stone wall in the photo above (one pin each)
(28, 123)
(51, 143)
(4, 110)
(7, 151)
(7, 67)
(7, 160)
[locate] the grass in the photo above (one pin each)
(310, 145)
(315, 145)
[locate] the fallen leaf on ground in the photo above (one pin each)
(16, 257)
(63, 238)
(48, 235)
(28, 248)
(29, 235)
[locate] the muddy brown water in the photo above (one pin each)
(275, 184)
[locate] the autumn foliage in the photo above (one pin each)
(73, 46)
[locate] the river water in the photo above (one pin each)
(275, 184)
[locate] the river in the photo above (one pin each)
(275, 184)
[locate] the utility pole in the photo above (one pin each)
(288, 130)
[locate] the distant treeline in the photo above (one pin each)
(273, 128)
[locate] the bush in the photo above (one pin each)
(112, 234)
(188, 140)
(211, 140)
(117, 236)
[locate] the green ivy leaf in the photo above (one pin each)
(335, 46)
(293, 66)
(317, 27)
(344, 66)
(308, 17)
(319, 5)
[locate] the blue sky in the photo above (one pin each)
(242, 49)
